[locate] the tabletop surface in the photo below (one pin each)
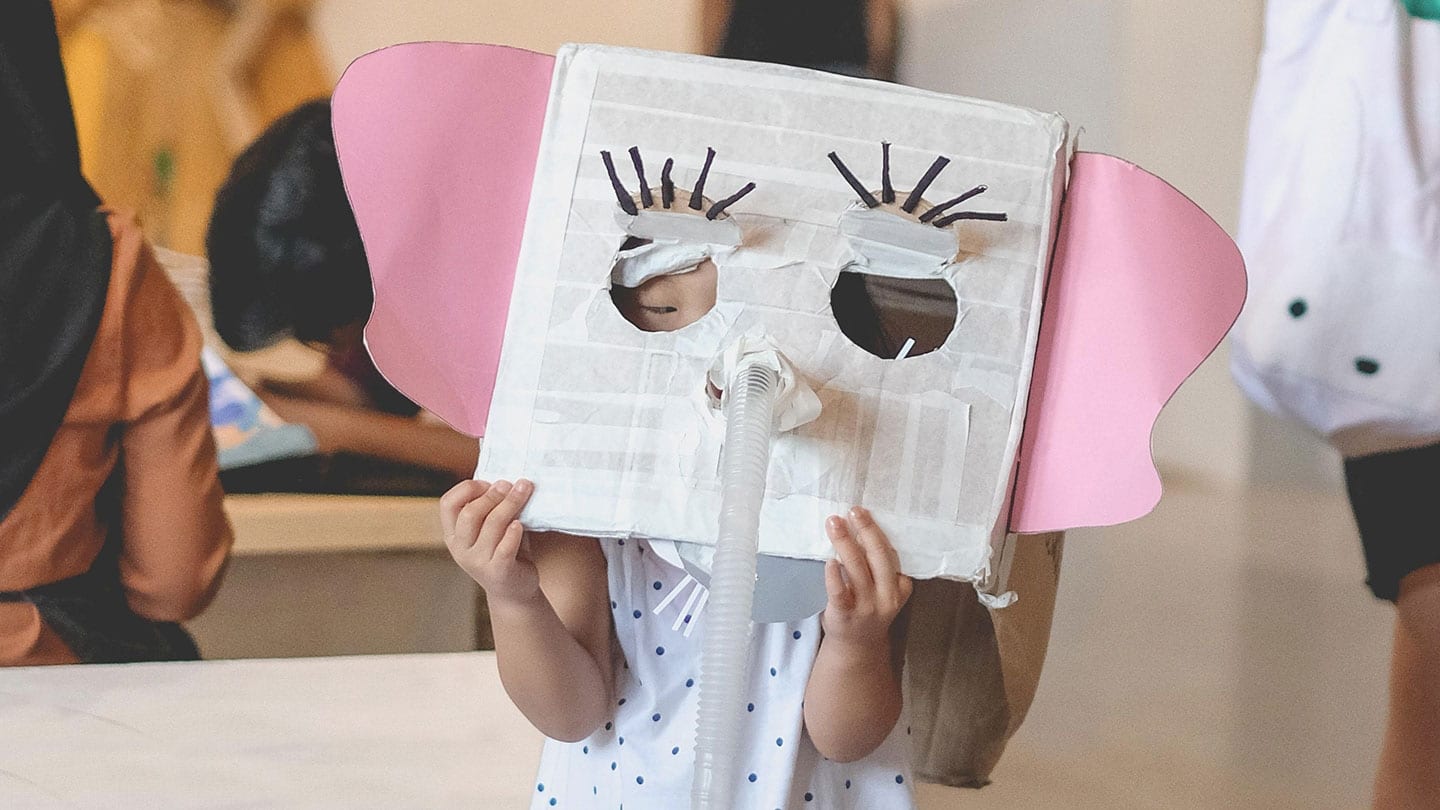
(361, 731)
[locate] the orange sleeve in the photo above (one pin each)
(176, 535)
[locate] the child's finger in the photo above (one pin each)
(472, 515)
(884, 561)
(851, 555)
(509, 546)
(905, 587)
(503, 515)
(454, 500)
(835, 587)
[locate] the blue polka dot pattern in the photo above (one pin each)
(773, 672)
(675, 750)
(614, 765)
(553, 802)
(637, 614)
(655, 717)
(809, 797)
(689, 682)
(620, 702)
(796, 635)
(899, 780)
(585, 750)
(847, 784)
(622, 740)
(657, 586)
(779, 741)
(753, 777)
(609, 726)
(639, 780)
(540, 787)
(749, 707)
(659, 650)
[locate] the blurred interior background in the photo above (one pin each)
(1221, 652)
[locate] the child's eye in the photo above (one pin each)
(661, 310)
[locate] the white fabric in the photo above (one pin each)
(643, 757)
(638, 265)
(1340, 225)
(887, 244)
(796, 403)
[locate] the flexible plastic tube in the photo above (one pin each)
(725, 654)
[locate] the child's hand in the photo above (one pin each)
(864, 583)
(483, 535)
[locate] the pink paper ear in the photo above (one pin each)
(1143, 288)
(437, 145)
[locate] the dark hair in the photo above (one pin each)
(285, 255)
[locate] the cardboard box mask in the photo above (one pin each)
(502, 195)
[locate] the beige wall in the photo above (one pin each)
(1165, 84)
(350, 28)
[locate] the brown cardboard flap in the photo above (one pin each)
(971, 672)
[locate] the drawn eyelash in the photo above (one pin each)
(667, 186)
(932, 215)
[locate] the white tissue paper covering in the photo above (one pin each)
(795, 403)
(613, 424)
(638, 265)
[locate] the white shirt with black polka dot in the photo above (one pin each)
(643, 757)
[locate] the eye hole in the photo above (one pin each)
(664, 303)
(1298, 307)
(888, 317)
(1365, 365)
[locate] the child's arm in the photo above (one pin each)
(853, 698)
(548, 607)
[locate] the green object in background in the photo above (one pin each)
(164, 171)
(1424, 9)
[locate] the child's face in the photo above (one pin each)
(668, 303)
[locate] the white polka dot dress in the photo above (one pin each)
(643, 757)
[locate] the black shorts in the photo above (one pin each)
(1396, 500)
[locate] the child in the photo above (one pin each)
(823, 725)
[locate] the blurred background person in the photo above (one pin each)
(853, 37)
(111, 529)
(1340, 225)
(286, 262)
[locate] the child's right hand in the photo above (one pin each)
(483, 534)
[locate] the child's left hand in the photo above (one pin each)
(865, 587)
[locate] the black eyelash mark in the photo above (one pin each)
(621, 195)
(719, 208)
(912, 200)
(697, 195)
(865, 195)
(937, 210)
(929, 177)
(645, 198)
(887, 191)
(667, 186)
(988, 216)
